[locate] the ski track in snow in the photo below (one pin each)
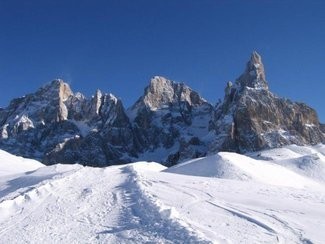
(238, 214)
(92, 205)
(144, 203)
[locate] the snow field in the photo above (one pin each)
(273, 196)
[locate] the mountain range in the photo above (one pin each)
(169, 123)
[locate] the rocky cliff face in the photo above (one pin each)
(170, 118)
(252, 118)
(169, 123)
(54, 125)
(322, 127)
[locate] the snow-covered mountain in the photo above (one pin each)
(169, 123)
(270, 196)
(252, 118)
(55, 125)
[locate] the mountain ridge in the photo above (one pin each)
(169, 123)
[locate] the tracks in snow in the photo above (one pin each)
(271, 226)
(155, 219)
(119, 205)
(90, 205)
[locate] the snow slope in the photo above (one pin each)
(307, 161)
(240, 167)
(226, 198)
(10, 164)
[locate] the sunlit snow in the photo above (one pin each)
(273, 196)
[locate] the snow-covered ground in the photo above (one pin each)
(274, 196)
(10, 164)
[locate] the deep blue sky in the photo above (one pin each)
(117, 46)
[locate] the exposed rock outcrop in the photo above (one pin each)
(322, 127)
(170, 117)
(252, 118)
(254, 75)
(56, 126)
(169, 123)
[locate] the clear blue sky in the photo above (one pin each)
(117, 46)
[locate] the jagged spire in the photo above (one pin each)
(254, 75)
(96, 102)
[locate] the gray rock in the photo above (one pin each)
(252, 118)
(322, 127)
(254, 75)
(56, 126)
(167, 118)
(169, 123)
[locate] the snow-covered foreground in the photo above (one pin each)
(275, 196)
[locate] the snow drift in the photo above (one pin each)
(10, 164)
(273, 196)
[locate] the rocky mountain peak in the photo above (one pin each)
(252, 118)
(254, 74)
(56, 89)
(159, 92)
(57, 82)
(113, 98)
(163, 93)
(159, 82)
(169, 123)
